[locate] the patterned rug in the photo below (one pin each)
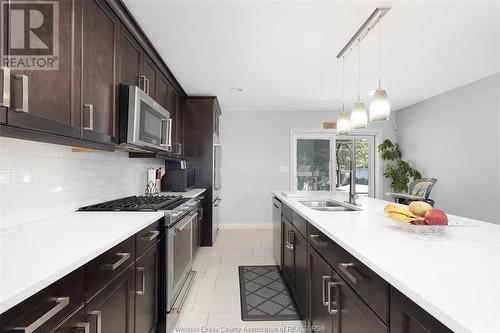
(264, 295)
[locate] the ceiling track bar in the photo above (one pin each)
(363, 31)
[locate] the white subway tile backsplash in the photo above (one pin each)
(39, 180)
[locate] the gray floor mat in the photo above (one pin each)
(264, 295)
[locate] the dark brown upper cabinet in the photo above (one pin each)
(163, 90)
(45, 98)
(100, 37)
(151, 75)
(130, 59)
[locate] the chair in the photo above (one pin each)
(419, 191)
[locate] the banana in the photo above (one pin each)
(392, 208)
(400, 217)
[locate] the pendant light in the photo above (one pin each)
(343, 123)
(359, 117)
(380, 107)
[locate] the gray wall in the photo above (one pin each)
(455, 137)
(255, 146)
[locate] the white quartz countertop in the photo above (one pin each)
(188, 194)
(34, 255)
(455, 276)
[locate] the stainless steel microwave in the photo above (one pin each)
(144, 123)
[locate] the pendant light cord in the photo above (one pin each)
(343, 75)
(379, 56)
(359, 68)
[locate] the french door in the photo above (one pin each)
(321, 161)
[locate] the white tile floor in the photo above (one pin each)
(213, 304)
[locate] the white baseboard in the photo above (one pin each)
(233, 226)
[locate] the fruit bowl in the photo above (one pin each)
(421, 229)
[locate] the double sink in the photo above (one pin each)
(328, 206)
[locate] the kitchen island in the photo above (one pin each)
(441, 273)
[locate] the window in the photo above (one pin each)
(321, 161)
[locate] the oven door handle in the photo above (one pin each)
(179, 228)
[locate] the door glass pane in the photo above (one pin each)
(313, 165)
(362, 172)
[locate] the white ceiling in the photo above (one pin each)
(283, 53)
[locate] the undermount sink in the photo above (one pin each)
(328, 206)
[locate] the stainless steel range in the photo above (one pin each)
(177, 243)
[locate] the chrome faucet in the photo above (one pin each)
(352, 186)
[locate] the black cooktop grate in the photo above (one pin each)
(134, 204)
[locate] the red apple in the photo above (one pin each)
(436, 217)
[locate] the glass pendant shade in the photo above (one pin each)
(343, 123)
(380, 107)
(359, 117)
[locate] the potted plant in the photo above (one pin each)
(398, 171)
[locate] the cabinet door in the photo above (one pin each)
(46, 98)
(179, 128)
(151, 72)
(112, 310)
(147, 290)
(163, 93)
(320, 274)
(100, 36)
(73, 324)
(300, 272)
(408, 317)
(288, 257)
(130, 59)
(173, 105)
(355, 315)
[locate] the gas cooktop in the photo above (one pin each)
(143, 203)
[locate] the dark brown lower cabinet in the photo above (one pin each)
(408, 317)
(73, 324)
(112, 309)
(288, 257)
(320, 274)
(300, 273)
(147, 282)
(355, 315)
(294, 266)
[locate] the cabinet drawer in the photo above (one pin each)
(367, 284)
(287, 212)
(108, 265)
(300, 223)
(146, 238)
(43, 311)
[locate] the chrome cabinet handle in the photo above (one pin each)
(98, 315)
(85, 326)
(142, 82)
(90, 110)
(178, 148)
(316, 240)
(151, 235)
(22, 103)
(112, 267)
(324, 279)
(61, 303)
(330, 302)
(5, 87)
(147, 86)
(143, 277)
(290, 245)
(354, 276)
